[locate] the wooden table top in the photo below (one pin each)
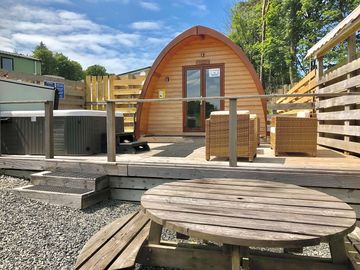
(249, 212)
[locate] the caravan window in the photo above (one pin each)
(7, 63)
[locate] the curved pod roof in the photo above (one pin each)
(178, 41)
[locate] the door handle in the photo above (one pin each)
(201, 102)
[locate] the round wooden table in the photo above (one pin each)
(244, 213)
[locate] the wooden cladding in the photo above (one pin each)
(339, 117)
(239, 79)
(102, 88)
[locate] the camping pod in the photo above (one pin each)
(200, 62)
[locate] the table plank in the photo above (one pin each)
(321, 231)
(251, 206)
(287, 189)
(242, 237)
(257, 214)
(162, 191)
(242, 182)
(256, 192)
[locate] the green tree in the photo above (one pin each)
(96, 70)
(276, 34)
(67, 68)
(48, 61)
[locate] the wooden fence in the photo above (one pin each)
(74, 91)
(128, 87)
(292, 105)
(339, 117)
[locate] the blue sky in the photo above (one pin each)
(118, 34)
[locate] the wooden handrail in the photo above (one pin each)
(271, 96)
(23, 101)
(111, 145)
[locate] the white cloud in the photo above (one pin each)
(198, 4)
(6, 44)
(22, 27)
(150, 5)
(124, 2)
(146, 25)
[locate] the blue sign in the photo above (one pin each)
(60, 87)
(50, 84)
(61, 90)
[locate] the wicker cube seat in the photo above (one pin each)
(217, 135)
(293, 134)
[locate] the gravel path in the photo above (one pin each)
(35, 235)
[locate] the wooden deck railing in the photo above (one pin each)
(110, 104)
(48, 124)
(110, 117)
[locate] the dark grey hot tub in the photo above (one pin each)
(76, 132)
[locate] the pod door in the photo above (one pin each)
(201, 81)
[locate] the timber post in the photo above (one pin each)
(0, 133)
(49, 129)
(232, 132)
(110, 131)
(351, 56)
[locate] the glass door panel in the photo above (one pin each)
(201, 81)
(212, 88)
(193, 117)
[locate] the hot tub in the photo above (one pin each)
(76, 132)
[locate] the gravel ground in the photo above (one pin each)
(35, 235)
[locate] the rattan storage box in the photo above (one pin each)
(293, 134)
(217, 135)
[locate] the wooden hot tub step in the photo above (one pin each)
(67, 196)
(68, 188)
(71, 179)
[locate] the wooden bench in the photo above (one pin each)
(352, 244)
(116, 245)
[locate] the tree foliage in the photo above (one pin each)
(292, 27)
(48, 62)
(67, 68)
(96, 70)
(57, 64)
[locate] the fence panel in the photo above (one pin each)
(339, 117)
(126, 87)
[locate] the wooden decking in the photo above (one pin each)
(132, 174)
(191, 152)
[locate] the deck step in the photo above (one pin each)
(71, 197)
(67, 188)
(70, 179)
